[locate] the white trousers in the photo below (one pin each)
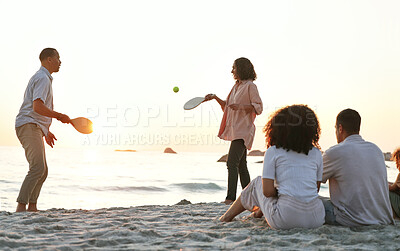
(283, 212)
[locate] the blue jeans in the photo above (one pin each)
(330, 217)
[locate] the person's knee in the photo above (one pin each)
(232, 166)
(37, 171)
(44, 176)
(232, 161)
(235, 162)
(243, 170)
(330, 217)
(236, 153)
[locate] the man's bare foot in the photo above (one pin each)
(227, 202)
(21, 207)
(32, 207)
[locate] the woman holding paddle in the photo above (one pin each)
(240, 109)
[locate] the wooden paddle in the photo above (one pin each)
(82, 125)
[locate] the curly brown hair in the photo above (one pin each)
(245, 69)
(294, 127)
(396, 157)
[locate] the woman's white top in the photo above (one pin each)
(295, 174)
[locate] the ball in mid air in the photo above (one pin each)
(176, 89)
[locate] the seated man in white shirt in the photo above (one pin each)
(357, 177)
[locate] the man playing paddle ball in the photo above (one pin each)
(33, 122)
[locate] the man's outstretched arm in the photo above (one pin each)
(40, 108)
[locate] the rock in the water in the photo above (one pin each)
(256, 153)
(169, 150)
(224, 158)
(183, 202)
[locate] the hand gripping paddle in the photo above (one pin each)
(82, 125)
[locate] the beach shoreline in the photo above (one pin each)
(187, 227)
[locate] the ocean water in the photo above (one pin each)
(102, 178)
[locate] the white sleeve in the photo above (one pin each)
(269, 163)
(41, 89)
(330, 163)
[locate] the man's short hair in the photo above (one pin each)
(48, 52)
(350, 121)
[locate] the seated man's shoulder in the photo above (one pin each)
(372, 145)
(370, 149)
(367, 151)
(345, 147)
(336, 149)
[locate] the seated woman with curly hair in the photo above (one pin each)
(287, 192)
(394, 188)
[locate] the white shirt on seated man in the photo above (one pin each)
(357, 177)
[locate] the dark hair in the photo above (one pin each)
(350, 121)
(245, 69)
(294, 128)
(48, 52)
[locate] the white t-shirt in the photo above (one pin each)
(39, 87)
(295, 174)
(358, 183)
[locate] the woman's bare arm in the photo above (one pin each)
(221, 102)
(269, 189)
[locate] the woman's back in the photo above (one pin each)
(295, 174)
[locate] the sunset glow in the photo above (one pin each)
(120, 62)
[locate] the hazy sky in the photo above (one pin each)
(121, 59)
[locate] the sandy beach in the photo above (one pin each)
(187, 227)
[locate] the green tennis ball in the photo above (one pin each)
(176, 89)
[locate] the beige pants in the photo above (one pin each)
(284, 212)
(31, 138)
